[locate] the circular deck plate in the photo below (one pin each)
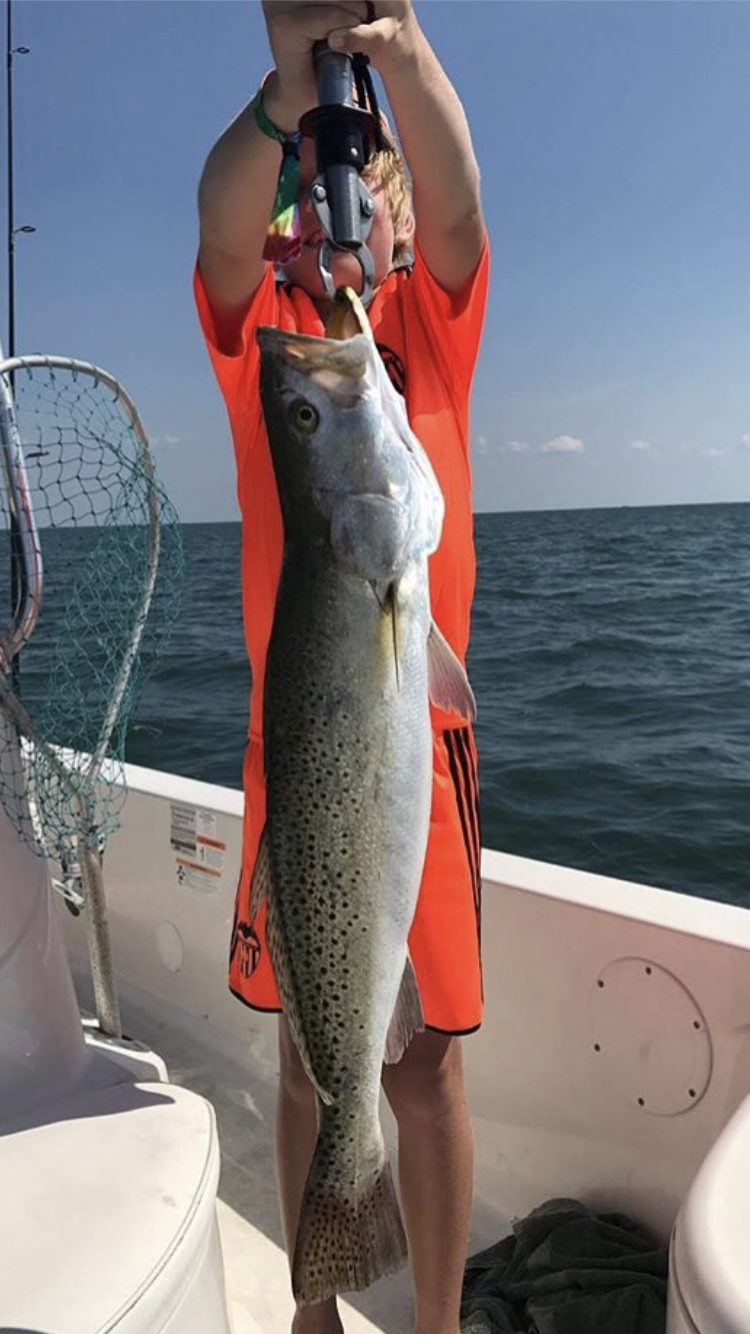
(649, 1037)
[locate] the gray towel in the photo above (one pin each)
(566, 1270)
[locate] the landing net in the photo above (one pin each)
(93, 615)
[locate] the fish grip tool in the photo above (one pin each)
(343, 132)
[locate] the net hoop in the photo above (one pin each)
(19, 632)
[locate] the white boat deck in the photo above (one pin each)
(614, 1050)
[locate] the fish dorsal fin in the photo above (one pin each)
(262, 875)
(407, 1016)
(448, 683)
(263, 890)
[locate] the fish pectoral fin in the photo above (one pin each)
(392, 606)
(407, 1016)
(386, 592)
(262, 875)
(381, 588)
(448, 683)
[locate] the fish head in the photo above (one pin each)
(319, 417)
(341, 444)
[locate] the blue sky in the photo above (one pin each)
(613, 143)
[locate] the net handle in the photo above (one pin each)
(14, 468)
(13, 472)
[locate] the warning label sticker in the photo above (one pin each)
(199, 852)
(182, 832)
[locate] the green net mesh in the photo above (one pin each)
(112, 572)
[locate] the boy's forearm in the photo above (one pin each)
(236, 189)
(434, 134)
(238, 183)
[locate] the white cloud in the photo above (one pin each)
(563, 444)
(166, 439)
(714, 453)
(640, 445)
(745, 441)
(483, 446)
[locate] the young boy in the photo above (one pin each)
(427, 319)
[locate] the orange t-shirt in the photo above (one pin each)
(429, 341)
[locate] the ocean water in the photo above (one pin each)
(610, 657)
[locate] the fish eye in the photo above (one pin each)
(304, 416)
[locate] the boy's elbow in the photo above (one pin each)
(207, 194)
(471, 224)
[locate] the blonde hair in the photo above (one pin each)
(386, 171)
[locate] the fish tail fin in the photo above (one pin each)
(350, 1233)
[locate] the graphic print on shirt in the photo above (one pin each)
(244, 937)
(463, 768)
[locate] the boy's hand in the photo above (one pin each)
(386, 39)
(293, 28)
(434, 135)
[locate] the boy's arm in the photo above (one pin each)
(435, 136)
(239, 179)
(235, 197)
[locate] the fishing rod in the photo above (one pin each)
(18, 580)
(13, 231)
(344, 131)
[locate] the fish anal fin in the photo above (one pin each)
(407, 1016)
(448, 683)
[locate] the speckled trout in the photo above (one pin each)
(353, 660)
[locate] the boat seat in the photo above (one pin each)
(108, 1215)
(710, 1252)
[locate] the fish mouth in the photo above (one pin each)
(348, 357)
(346, 317)
(338, 362)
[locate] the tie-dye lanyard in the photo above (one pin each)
(283, 240)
